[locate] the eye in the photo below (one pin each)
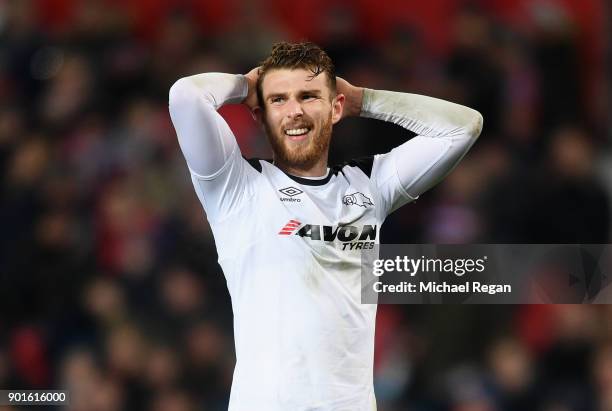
(276, 99)
(308, 96)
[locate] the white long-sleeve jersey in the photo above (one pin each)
(290, 246)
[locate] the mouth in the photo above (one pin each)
(297, 133)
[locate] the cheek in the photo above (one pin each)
(321, 115)
(273, 118)
(325, 116)
(329, 113)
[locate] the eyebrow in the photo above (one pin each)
(315, 91)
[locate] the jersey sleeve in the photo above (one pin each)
(444, 133)
(219, 173)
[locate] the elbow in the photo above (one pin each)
(188, 91)
(180, 93)
(474, 125)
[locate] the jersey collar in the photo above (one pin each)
(311, 181)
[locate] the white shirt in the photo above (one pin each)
(290, 247)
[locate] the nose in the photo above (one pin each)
(294, 109)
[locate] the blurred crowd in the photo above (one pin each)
(109, 284)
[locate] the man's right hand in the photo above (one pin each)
(251, 99)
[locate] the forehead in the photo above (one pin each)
(288, 80)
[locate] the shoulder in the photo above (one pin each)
(256, 163)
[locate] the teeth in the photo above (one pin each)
(296, 131)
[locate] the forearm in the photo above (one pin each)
(425, 116)
(216, 89)
(205, 138)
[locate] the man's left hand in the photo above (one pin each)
(353, 95)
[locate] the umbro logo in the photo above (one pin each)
(358, 199)
(291, 192)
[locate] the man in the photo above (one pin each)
(290, 232)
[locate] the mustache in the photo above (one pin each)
(297, 125)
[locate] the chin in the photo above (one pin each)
(302, 154)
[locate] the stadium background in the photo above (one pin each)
(108, 278)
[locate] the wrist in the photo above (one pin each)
(358, 100)
(250, 99)
(354, 101)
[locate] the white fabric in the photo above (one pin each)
(445, 132)
(292, 261)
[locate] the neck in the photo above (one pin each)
(319, 169)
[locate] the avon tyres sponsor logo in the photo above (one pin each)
(352, 237)
(358, 199)
(342, 233)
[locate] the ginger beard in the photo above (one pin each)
(304, 153)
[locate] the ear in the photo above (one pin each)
(257, 114)
(337, 107)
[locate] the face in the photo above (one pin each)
(298, 116)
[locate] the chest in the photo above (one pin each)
(336, 203)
